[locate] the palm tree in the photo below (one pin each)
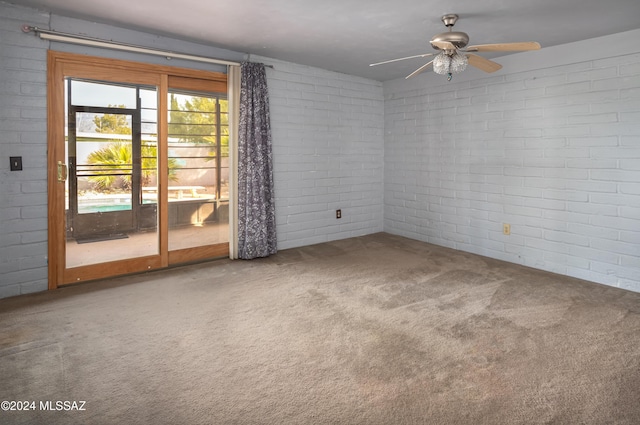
(113, 165)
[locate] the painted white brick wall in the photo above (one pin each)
(23, 132)
(550, 144)
(328, 148)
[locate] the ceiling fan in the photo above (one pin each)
(454, 54)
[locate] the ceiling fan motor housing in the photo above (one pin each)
(457, 38)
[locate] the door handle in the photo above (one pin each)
(62, 171)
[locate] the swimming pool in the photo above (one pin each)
(103, 205)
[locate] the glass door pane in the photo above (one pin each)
(111, 147)
(101, 171)
(198, 192)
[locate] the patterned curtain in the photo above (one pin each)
(256, 206)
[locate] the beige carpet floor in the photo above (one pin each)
(371, 330)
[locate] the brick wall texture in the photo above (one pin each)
(554, 152)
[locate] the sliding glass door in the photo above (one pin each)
(138, 167)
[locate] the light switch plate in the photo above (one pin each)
(16, 163)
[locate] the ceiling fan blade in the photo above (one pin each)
(504, 47)
(483, 63)
(424, 55)
(443, 45)
(419, 70)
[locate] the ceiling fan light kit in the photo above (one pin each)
(454, 55)
(449, 64)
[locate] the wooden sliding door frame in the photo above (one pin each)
(62, 65)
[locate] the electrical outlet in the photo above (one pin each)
(338, 213)
(506, 229)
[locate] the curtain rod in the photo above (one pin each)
(90, 41)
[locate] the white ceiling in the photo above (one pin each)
(347, 35)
